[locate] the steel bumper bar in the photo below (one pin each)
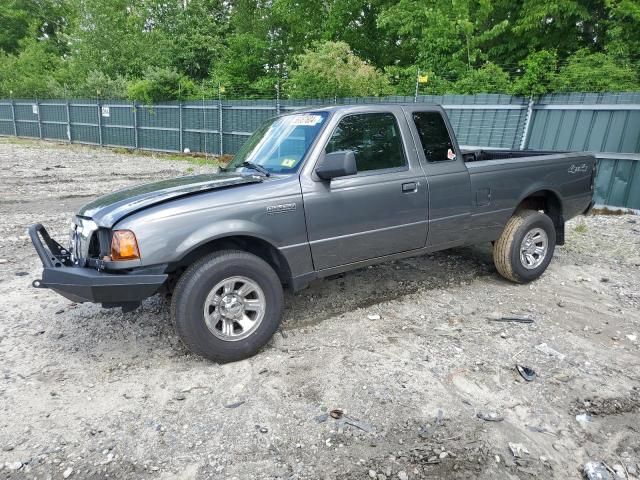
(81, 284)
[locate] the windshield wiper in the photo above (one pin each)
(256, 167)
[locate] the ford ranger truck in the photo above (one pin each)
(311, 194)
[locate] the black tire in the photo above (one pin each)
(190, 294)
(507, 249)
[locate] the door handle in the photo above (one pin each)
(409, 187)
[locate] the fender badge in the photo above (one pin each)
(578, 168)
(282, 208)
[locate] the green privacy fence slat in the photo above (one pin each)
(576, 121)
(618, 181)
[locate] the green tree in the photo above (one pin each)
(443, 37)
(539, 73)
(489, 78)
(623, 34)
(118, 37)
(332, 69)
(197, 31)
(161, 84)
(99, 84)
(37, 70)
(596, 72)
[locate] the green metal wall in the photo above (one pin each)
(606, 124)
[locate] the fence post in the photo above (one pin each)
(278, 98)
(68, 122)
(527, 125)
(13, 117)
(135, 125)
(99, 122)
(220, 122)
(180, 120)
(39, 119)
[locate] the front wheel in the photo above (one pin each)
(227, 305)
(526, 246)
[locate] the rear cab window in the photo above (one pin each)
(434, 137)
(374, 138)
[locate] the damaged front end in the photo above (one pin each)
(82, 274)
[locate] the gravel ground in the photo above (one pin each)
(409, 352)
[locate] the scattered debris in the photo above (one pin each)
(364, 426)
(512, 319)
(541, 430)
(373, 316)
(67, 473)
(620, 471)
(544, 348)
(336, 413)
(517, 449)
(490, 416)
(596, 471)
(632, 337)
(235, 404)
(13, 466)
(583, 418)
(179, 396)
(322, 418)
(402, 475)
(527, 373)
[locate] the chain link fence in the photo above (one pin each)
(607, 124)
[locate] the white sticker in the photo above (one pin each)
(34, 109)
(106, 112)
(306, 120)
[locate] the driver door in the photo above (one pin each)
(382, 209)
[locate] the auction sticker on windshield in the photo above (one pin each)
(288, 162)
(306, 120)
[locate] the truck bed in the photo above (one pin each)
(498, 177)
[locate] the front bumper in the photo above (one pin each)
(82, 284)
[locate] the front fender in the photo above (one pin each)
(222, 229)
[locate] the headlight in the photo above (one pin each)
(124, 246)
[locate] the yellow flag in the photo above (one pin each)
(423, 78)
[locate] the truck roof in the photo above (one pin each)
(363, 106)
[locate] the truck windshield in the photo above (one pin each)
(279, 145)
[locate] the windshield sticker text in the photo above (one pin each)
(306, 120)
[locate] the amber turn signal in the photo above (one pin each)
(124, 245)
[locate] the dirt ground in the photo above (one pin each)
(409, 351)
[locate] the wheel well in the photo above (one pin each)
(548, 202)
(256, 246)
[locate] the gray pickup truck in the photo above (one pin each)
(311, 194)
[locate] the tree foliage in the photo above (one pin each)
(152, 50)
(332, 69)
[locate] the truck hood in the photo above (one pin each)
(105, 211)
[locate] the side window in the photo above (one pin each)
(434, 137)
(374, 138)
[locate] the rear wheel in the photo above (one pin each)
(526, 246)
(227, 305)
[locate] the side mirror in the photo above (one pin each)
(337, 164)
